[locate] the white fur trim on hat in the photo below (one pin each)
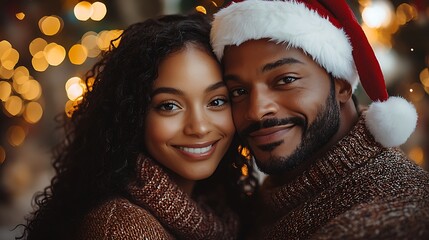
(391, 122)
(286, 22)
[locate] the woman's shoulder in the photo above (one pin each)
(118, 218)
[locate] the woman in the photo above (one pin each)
(141, 153)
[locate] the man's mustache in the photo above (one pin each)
(272, 122)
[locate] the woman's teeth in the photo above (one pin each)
(196, 150)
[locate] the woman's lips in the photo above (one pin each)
(198, 151)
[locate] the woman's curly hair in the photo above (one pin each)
(105, 133)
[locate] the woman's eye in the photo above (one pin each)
(168, 107)
(286, 80)
(238, 92)
(218, 102)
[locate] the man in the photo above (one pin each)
(334, 172)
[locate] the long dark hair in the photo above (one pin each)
(105, 133)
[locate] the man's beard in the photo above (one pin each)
(314, 137)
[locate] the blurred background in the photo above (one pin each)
(46, 47)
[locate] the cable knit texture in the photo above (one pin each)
(157, 209)
(357, 190)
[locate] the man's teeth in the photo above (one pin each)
(196, 150)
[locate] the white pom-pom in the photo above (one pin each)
(391, 122)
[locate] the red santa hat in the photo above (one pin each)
(328, 31)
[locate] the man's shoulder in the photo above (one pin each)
(380, 219)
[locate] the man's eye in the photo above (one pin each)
(286, 80)
(238, 92)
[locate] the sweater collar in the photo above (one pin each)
(352, 151)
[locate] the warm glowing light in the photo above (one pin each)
(90, 82)
(70, 107)
(426, 89)
(244, 170)
(75, 91)
(83, 10)
(417, 92)
(105, 38)
(15, 135)
(412, 49)
(245, 152)
(20, 16)
(73, 80)
(6, 73)
(31, 90)
(214, 3)
(5, 91)
(4, 46)
(21, 75)
(13, 105)
(78, 54)
(37, 45)
(33, 112)
(9, 58)
(89, 41)
(424, 77)
(54, 54)
(99, 11)
(405, 13)
(377, 14)
(39, 62)
(2, 154)
(50, 25)
(75, 88)
(201, 9)
(417, 155)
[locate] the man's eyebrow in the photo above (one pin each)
(181, 93)
(266, 67)
(278, 63)
(230, 77)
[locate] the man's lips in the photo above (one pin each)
(266, 136)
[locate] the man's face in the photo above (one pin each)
(283, 103)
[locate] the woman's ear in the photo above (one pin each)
(343, 90)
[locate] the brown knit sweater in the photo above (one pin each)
(357, 190)
(156, 208)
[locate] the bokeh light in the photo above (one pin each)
(54, 54)
(9, 58)
(78, 54)
(50, 25)
(377, 14)
(13, 105)
(5, 90)
(99, 11)
(39, 62)
(20, 16)
(201, 9)
(33, 112)
(75, 88)
(15, 135)
(37, 45)
(83, 10)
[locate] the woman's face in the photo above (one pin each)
(189, 124)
